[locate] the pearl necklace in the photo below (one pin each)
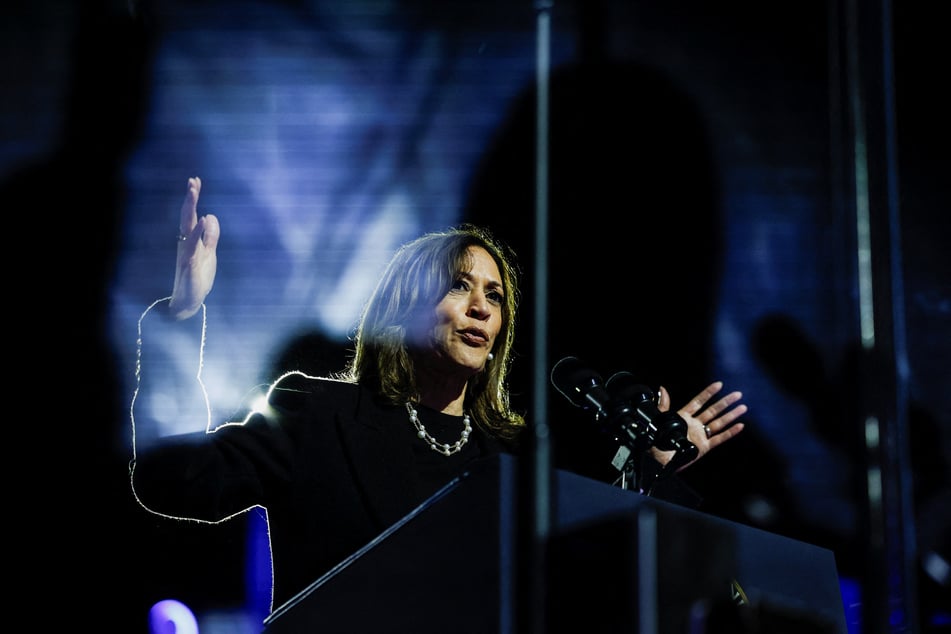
(446, 450)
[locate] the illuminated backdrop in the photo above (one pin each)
(700, 227)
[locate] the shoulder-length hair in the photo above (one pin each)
(415, 280)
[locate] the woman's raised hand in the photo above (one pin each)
(708, 425)
(197, 260)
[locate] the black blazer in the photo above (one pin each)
(332, 466)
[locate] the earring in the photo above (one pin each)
(489, 356)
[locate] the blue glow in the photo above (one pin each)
(258, 569)
(852, 604)
(172, 617)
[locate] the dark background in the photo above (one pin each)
(710, 168)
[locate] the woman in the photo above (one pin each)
(337, 460)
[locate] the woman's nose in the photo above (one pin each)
(479, 307)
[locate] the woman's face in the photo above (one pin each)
(469, 316)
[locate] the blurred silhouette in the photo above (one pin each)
(311, 352)
(832, 397)
(66, 205)
(634, 246)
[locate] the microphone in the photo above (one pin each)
(585, 389)
(665, 430)
(581, 385)
(627, 411)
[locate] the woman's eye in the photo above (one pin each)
(495, 297)
(460, 285)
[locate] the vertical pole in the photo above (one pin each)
(889, 601)
(535, 525)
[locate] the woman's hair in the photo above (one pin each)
(416, 279)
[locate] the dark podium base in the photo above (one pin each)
(617, 561)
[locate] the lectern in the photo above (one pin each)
(617, 561)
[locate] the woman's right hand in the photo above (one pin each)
(197, 261)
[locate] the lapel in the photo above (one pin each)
(383, 462)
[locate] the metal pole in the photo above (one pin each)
(532, 604)
(889, 601)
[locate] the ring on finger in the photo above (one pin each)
(706, 430)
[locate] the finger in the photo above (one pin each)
(721, 437)
(663, 403)
(210, 230)
(731, 416)
(697, 402)
(714, 410)
(725, 422)
(189, 215)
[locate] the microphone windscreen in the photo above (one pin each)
(576, 381)
(623, 387)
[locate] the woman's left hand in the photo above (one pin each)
(708, 425)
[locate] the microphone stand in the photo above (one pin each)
(637, 426)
